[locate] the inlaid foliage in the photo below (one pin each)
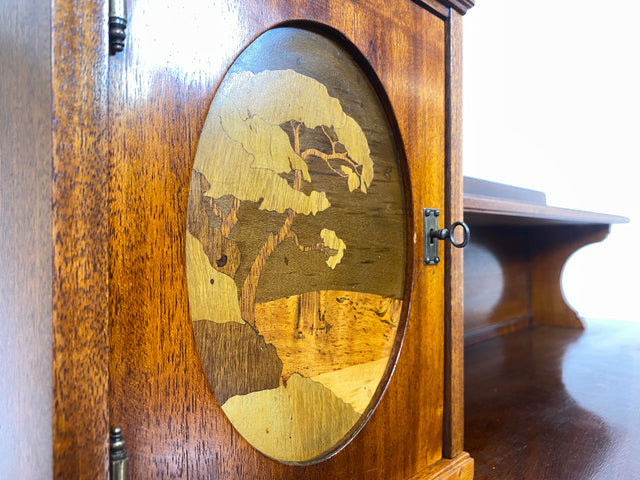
(296, 247)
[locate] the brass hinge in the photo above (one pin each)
(117, 25)
(117, 456)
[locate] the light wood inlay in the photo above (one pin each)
(294, 422)
(277, 148)
(339, 329)
(355, 385)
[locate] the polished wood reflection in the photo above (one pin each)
(555, 403)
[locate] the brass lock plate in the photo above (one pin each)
(430, 225)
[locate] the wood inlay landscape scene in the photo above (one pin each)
(296, 245)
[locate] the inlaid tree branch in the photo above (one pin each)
(227, 220)
(245, 153)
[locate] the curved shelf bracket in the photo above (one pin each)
(551, 248)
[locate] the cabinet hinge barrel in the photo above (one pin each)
(117, 456)
(117, 25)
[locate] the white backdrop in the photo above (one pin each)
(552, 102)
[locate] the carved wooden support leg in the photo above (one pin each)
(551, 247)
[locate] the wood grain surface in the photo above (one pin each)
(475, 187)
(454, 297)
(79, 236)
(501, 211)
(25, 240)
(459, 467)
(497, 277)
(553, 247)
(443, 7)
(549, 403)
(343, 330)
(160, 91)
(513, 276)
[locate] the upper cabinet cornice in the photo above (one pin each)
(443, 6)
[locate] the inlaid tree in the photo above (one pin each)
(250, 150)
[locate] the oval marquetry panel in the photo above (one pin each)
(297, 246)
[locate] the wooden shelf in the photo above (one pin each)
(489, 203)
(514, 261)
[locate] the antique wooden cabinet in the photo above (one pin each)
(100, 235)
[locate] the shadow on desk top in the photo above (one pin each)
(550, 403)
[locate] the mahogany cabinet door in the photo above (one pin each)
(160, 90)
